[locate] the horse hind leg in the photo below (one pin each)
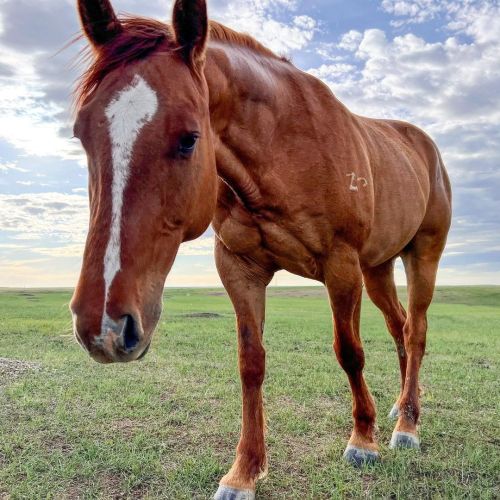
(381, 288)
(421, 261)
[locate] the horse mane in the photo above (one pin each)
(220, 33)
(142, 37)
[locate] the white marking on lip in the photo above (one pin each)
(127, 113)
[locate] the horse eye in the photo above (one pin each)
(188, 143)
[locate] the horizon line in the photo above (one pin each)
(219, 287)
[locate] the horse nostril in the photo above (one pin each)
(130, 333)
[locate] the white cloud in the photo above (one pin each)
(478, 18)
(58, 217)
(473, 274)
(202, 246)
(350, 41)
(260, 19)
(45, 272)
(10, 246)
(11, 166)
(31, 124)
(415, 11)
(332, 71)
(72, 250)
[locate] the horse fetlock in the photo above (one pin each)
(240, 481)
(409, 412)
(363, 440)
(246, 470)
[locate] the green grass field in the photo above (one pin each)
(166, 427)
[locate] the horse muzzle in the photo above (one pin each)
(120, 340)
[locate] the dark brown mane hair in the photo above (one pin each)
(221, 33)
(140, 38)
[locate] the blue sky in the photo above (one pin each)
(435, 63)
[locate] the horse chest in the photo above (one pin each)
(288, 251)
(267, 242)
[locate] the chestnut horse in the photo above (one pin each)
(192, 124)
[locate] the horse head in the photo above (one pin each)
(143, 121)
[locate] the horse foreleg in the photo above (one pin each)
(246, 286)
(344, 283)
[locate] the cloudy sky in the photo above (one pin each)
(433, 62)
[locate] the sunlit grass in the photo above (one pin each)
(167, 427)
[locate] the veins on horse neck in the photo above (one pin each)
(233, 172)
(243, 122)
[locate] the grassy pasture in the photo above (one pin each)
(166, 427)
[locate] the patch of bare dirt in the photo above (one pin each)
(11, 369)
(202, 315)
(312, 291)
(59, 443)
(111, 487)
(128, 427)
(73, 492)
(27, 295)
(484, 363)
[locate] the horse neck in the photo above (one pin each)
(237, 77)
(251, 96)
(261, 108)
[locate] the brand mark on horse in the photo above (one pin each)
(355, 180)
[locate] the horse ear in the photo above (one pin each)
(190, 23)
(99, 21)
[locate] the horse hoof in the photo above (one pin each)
(359, 456)
(394, 413)
(404, 440)
(228, 493)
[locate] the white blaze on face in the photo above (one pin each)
(128, 112)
